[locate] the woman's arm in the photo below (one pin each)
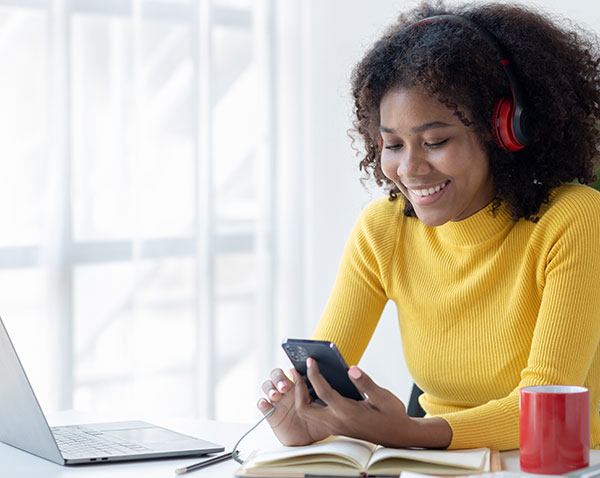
(360, 292)
(380, 418)
(565, 342)
(349, 319)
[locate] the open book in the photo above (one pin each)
(341, 456)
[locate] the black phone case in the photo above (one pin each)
(331, 364)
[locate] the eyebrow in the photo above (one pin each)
(417, 129)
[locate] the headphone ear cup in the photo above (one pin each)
(503, 125)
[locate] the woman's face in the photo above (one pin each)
(434, 159)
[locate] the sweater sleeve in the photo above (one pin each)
(566, 335)
(359, 293)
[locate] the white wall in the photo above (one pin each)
(333, 36)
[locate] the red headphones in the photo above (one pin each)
(509, 120)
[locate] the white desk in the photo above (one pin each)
(15, 463)
(18, 464)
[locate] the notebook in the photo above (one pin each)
(23, 425)
(342, 456)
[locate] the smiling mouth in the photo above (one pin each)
(428, 191)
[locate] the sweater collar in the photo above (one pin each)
(478, 228)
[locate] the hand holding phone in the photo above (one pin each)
(331, 364)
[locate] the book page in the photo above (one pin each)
(298, 471)
(342, 450)
(396, 466)
(473, 459)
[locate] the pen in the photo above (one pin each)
(225, 456)
(202, 464)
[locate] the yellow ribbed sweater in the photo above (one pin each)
(485, 306)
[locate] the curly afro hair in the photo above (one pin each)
(558, 70)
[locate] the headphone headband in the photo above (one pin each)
(510, 114)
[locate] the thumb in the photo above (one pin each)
(366, 386)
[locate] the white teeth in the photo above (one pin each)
(426, 192)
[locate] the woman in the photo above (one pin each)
(475, 121)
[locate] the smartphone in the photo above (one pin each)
(330, 361)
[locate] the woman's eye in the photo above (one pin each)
(393, 147)
(435, 144)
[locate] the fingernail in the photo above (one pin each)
(262, 403)
(272, 393)
(281, 386)
(354, 372)
(309, 362)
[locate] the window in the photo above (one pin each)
(136, 201)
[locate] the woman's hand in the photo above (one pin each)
(288, 427)
(380, 418)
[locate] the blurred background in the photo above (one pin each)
(176, 187)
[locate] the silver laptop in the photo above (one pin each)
(23, 425)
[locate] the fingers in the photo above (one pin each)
(327, 417)
(278, 384)
(322, 388)
(264, 406)
(302, 397)
(366, 386)
(281, 380)
(304, 404)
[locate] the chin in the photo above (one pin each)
(431, 220)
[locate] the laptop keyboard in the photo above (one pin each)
(86, 442)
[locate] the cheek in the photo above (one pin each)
(388, 167)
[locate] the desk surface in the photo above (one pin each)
(18, 464)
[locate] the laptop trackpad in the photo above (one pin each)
(146, 435)
(153, 437)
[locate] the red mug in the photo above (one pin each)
(554, 426)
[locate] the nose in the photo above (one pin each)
(413, 163)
